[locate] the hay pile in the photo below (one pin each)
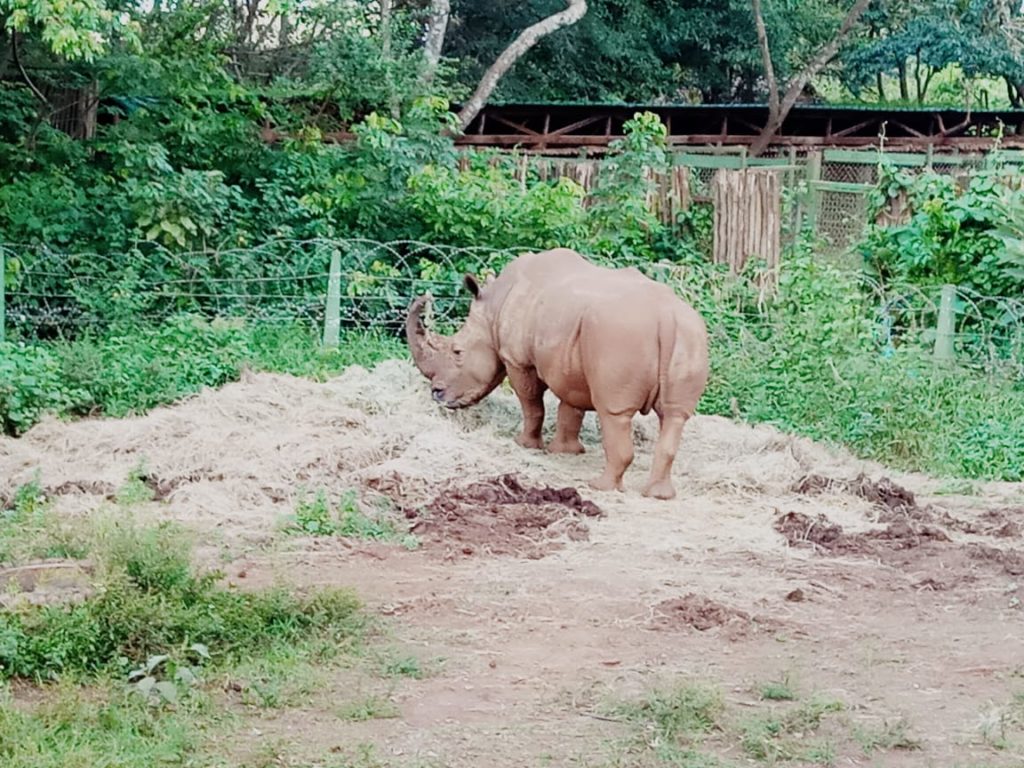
(236, 458)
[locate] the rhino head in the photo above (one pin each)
(462, 368)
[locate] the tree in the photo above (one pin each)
(780, 107)
(914, 44)
(438, 22)
(74, 29)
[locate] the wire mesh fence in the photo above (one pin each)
(333, 285)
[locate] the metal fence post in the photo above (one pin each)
(813, 190)
(946, 327)
(332, 314)
(3, 295)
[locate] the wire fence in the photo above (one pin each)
(334, 285)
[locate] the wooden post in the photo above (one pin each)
(3, 294)
(747, 207)
(946, 327)
(813, 192)
(332, 313)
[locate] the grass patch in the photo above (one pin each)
(133, 370)
(30, 530)
(402, 666)
(691, 727)
(348, 518)
(150, 600)
(780, 690)
(103, 725)
(370, 708)
(672, 724)
(889, 736)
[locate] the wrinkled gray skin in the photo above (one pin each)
(604, 340)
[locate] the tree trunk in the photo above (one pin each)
(904, 86)
(1013, 92)
(437, 29)
(880, 84)
(528, 38)
(766, 58)
(778, 114)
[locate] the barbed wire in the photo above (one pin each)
(56, 294)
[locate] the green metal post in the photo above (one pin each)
(332, 315)
(944, 351)
(3, 295)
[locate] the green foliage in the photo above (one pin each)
(954, 233)
(31, 384)
(75, 29)
(150, 602)
(486, 203)
(809, 364)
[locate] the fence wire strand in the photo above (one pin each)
(57, 295)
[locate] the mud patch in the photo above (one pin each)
(48, 582)
(801, 530)
(893, 501)
(696, 612)
(1010, 561)
(501, 516)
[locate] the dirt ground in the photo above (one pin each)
(535, 604)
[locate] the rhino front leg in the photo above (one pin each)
(567, 431)
(617, 438)
(530, 391)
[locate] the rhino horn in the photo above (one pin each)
(425, 347)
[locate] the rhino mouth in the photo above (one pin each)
(453, 404)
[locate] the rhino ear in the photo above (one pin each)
(471, 285)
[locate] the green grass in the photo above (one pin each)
(30, 530)
(139, 368)
(104, 725)
(151, 600)
(690, 726)
(779, 690)
(369, 708)
(317, 515)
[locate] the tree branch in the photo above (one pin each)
(21, 69)
(813, 67)
(766, 58)
(437, 29)
(528, 38)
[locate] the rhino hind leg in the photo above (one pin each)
(567, 430)
(659, 485)
(617, 438)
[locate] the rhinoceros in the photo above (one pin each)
(606, 340)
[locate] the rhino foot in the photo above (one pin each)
(566, 446)
(662, 490)
(604, 484)
(528, 441)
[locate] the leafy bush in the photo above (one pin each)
(810, 365)
(952, 234)
(487, 204)
(151, 600)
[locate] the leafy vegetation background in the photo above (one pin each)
(178, 182)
